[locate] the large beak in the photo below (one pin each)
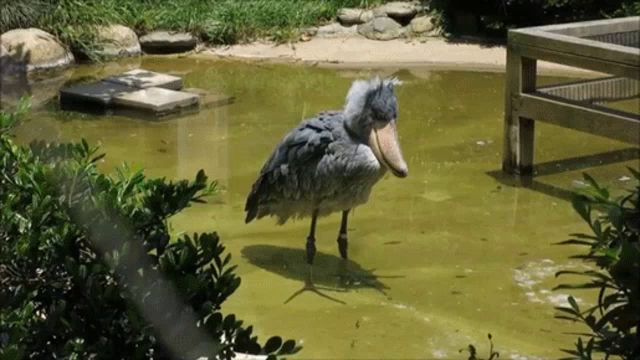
(384, 143)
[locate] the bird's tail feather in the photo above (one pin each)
(251, 206)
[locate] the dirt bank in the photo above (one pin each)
(360, 52)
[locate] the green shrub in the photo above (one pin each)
(495, 17)
(89, 269)
(614, 247)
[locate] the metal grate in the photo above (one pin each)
(625, 38)
(596, 90)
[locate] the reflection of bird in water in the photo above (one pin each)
(330, 162)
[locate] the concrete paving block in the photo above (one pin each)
(100, 93)
(144, 79)
(157, 100)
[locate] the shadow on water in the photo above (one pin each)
(328, 273)
(561, 166)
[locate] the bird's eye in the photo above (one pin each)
(383, 118)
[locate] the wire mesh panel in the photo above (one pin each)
(596, 90)
(623, 38)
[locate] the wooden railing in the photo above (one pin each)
(606, 46)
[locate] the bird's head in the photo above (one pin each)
(371, 114)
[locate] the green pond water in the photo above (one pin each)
(438, 259)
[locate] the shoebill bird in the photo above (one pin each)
(330, 162)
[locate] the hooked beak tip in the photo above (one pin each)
(401, 173)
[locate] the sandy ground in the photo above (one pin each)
(360, 52)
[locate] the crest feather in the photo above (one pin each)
(361, 92)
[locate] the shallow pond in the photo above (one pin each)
(438, 259)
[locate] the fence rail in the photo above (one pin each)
(606, 46)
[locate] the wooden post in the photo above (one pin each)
(518, 131)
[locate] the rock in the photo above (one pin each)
(165, 42)
(4, 53)
(36, 49)
(157, 100)
(366, 16)
(335, 30)
(307, 33)
(353, 16)
(381, 28)
(10, 66)
(310, 31)
(117, 40)
(399, 10)
(421, 24)
(423, 6)
(349, 16)
(378, 12)
(143, 79)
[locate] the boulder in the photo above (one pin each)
(8, 64)
(167, 42)
(381, 28)
(349, 16)
(353, 16)
(36, 49)
(117, 40)
(367, 16)
(310, 31)
(335, 30)
(421, 24)
(307, 33)
(399, 10)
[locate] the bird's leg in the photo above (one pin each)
(342, 236)
(311, 239)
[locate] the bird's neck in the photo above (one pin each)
(356, 133)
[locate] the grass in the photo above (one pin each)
(217, 21)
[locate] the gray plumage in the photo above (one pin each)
(326, 163)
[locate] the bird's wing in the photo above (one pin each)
(304, 145)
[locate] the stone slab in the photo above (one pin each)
(210, 100)
(157, 100)
(143, 79)
(101, 93)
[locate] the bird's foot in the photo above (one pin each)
(342, 245)
(311, 249)
(309, 286)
